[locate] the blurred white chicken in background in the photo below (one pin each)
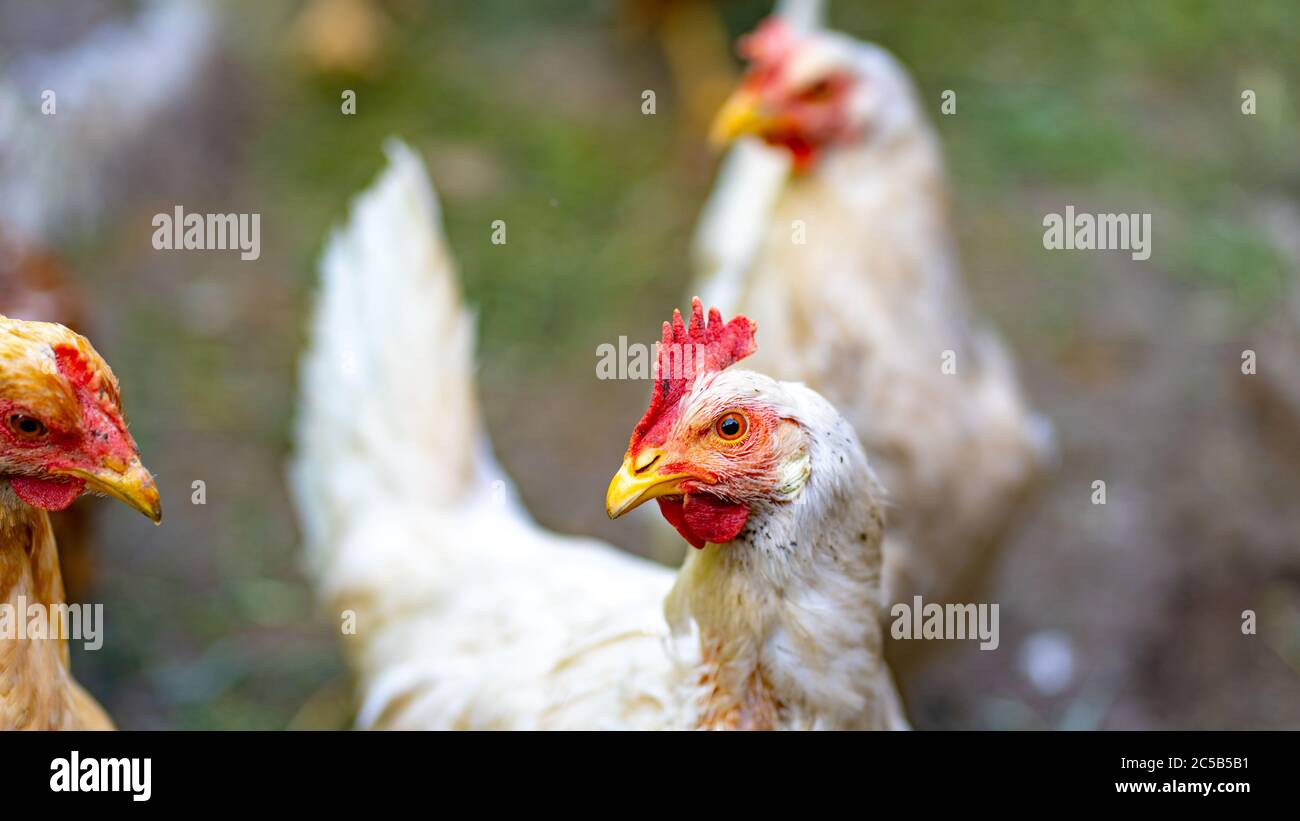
(829, 227)
(468, 615)
(108, 90)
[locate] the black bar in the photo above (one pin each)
(441, 770)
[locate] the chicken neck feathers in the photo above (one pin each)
(37, 691)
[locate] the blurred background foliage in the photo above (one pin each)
(531, 113)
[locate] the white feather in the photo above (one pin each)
(108, 89)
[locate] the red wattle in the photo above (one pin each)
(47, 494)
(802, 152)
(672, 509)
(702, 518)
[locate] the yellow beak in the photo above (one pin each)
(741, 114)
(635, 483)
(131, 484)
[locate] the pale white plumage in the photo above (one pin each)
(469, 615)
(850, 269)
(106, 92)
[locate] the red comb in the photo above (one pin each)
(684, 354)
(88, 378)
(769, 43)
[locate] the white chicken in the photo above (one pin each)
(829, 227)
(68, 117)
(469, 615)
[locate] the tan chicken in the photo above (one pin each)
(35, 286)
(459, 611)
(62, 434)
(341, 37)
(829, 227)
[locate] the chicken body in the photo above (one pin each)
(850, 268)
(37, 691)
(468, 615)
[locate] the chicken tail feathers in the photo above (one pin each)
(388, 415)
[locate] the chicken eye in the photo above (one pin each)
(731, 426)
(28, 427)
(820, 90)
